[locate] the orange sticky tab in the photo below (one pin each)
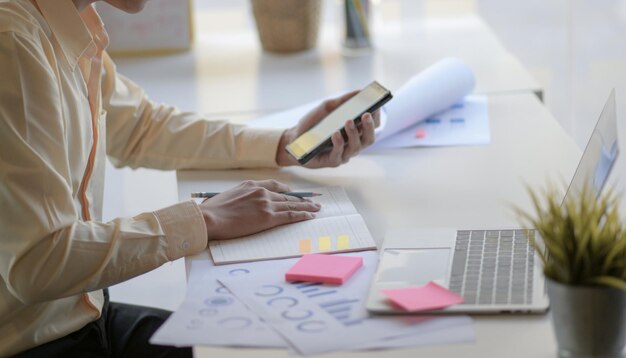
(305, 246)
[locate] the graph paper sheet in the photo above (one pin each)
(337, 228)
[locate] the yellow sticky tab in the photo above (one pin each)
(324, 243)
(343, 242)
(305, 246)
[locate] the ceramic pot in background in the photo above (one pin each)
(286, 26)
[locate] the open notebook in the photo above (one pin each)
(338, 227)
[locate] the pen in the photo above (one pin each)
(299, 194)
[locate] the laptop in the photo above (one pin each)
(497, 270)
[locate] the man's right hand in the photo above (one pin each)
(251, 207)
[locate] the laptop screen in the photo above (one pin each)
(600, 154)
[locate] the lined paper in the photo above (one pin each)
(337, 228)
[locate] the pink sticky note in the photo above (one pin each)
(324, 268)
(420, 133)
(428, 297)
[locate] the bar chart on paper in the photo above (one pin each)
(465, 123)
(337, 228)
(342, 309)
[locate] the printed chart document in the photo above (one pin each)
(433, 108)
(464, 123)
(338, 227)
(431, 91)
(317, 318)
(212, 315)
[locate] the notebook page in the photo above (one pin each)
(329, 234)
(335, 202)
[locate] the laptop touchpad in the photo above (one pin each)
(414, 266)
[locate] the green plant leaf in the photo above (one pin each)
(608, 281)
(582, 241)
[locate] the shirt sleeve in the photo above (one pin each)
(143, 133)
(46, 251)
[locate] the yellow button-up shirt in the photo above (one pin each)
(63, 108)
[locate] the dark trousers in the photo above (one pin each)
(122, 331)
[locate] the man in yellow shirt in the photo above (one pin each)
(63, 109)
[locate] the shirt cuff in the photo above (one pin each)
(184, 228)
(260, 147)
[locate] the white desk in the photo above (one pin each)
(227, 72)
(464, 187)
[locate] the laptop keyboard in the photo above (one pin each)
(493, 266)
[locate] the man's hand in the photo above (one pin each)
(359, 137)
(251, 207)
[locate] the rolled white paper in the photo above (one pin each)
(431, 91)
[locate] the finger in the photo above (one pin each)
(335, 155)
(287, 217)
(296, 206)
(273, 185)
(282, 197)
(354, 141)
(368, 136)
(376, 116)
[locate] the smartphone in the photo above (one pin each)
(318, 138)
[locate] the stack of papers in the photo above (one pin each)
(251, 305)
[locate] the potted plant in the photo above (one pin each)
(582, 246)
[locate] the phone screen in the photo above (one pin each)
(368, 99)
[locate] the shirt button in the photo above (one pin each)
(185, 245)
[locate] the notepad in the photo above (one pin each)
(423, 298)
(338, 227)
(335, 269)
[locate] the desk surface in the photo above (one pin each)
(463, 187)
(227, 72)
